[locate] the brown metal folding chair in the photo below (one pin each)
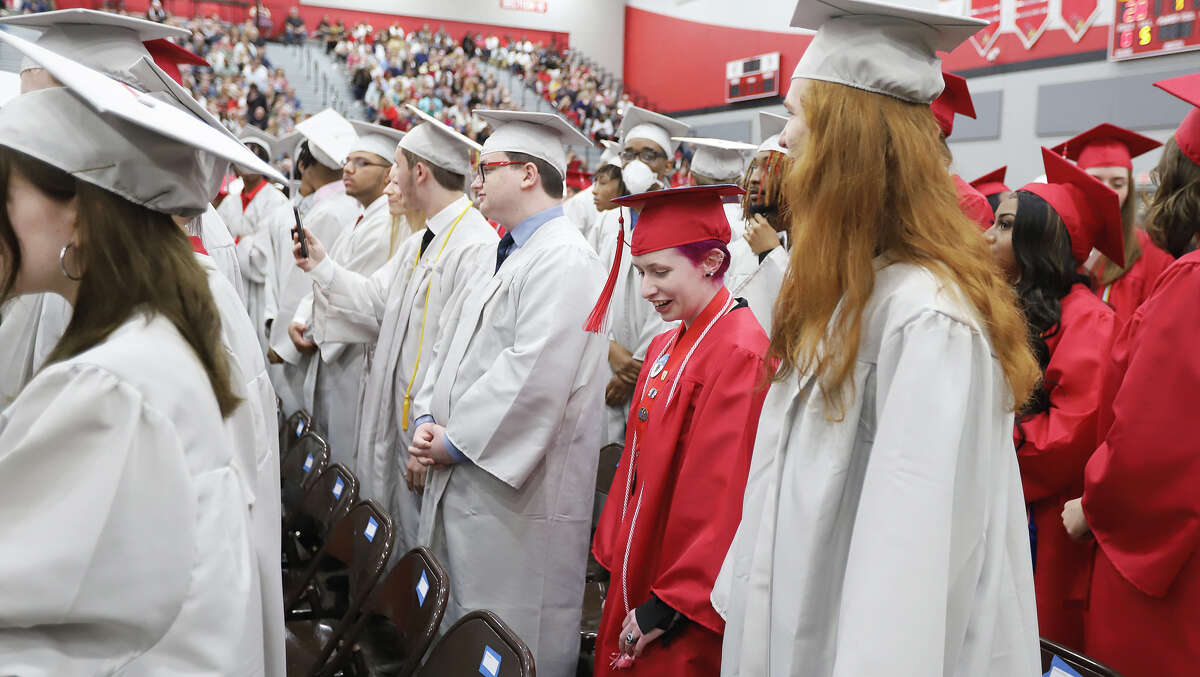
(299, 470)
(292, 430)
(400, 621)
(1086, 667)
(330, 497)
(319, 615)
(479, 644)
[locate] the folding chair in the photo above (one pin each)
(330, 498)
(320, 613)
(292, 430)
(297, 473)
(479, 644)
(400, 621)
(1085, 666)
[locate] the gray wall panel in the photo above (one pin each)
(989, 107)
(1129, 101)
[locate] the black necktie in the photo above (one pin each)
(504, 249)
(425, 240)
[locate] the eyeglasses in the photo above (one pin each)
(502, 163)
(359, 163)
(646, 155)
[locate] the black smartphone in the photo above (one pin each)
(299, 231)
(767, 211)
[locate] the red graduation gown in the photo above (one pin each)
(1128, 292)
(1141, 495)
(691, 473)
(974, 204)
(1057, 444)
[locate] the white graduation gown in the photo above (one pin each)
(894, 541)
(520, 389)
(736, 218)
(30, 327)
(758, 283)
(118, 490)
(333, 382)
(268, 212)
(254, 429)
(580, 209)
(219, 244)
(330, 213)
(401, 309)
(633, 322)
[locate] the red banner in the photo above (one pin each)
(1032, 17)
(989, 11)
(1079, 15)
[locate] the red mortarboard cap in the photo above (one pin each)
(1106, 145)
(578, 178)
(974, 204)
(1187, 135)
(1090, 210)
(169, 56)
(992, 182)
(668, 218)
(955, 98)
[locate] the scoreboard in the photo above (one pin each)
(754, 78)
(1152, 27)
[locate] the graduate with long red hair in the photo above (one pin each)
(1043, 233)
(1139, 495)
(677, 494)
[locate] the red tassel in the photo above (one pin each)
(599, 312)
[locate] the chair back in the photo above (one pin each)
(330, 498)
(1086, 667)
(292, 430)
(479, 644)
(300, 469)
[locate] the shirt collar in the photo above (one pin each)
(327, 191)
(525, 229)
(440, 221)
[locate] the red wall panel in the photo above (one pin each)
(679, 65)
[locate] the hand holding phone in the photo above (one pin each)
(301, 237)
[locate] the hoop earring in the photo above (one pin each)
(62, 264)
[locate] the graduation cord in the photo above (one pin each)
(425, 313)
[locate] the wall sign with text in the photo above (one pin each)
(1152, 27)
(539, 6)
(753, 78)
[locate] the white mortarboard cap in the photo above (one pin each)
(254, 136)
(135, 145)
(611, 154)
(770, 126)
(717, 158)
(640, 123)
(377, 139)
(106, 42)
(879, 47)
(541, 135)
(10, 86)
(439, 144)
(286, 144)
(330, 137)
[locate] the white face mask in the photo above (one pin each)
(638, 177)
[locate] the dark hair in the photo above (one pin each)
(260, 152)
(613, 173)
(133, 259)
(698, 251)
(994, 200)
(1174, 215)
(444, 177)
(1048, 269)
(552, 179)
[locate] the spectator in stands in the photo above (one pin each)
(155, 11)
(294, 30)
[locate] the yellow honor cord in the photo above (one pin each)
(425, 314)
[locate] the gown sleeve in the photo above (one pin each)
(493, 428)
(1139, 494)
(707, 504)
(892, 618)
(96, 499)
(1058, 441)
(354, 303)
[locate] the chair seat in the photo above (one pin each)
(303, 642)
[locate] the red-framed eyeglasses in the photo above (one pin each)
(502, 163)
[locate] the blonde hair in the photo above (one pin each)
(872, 179)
